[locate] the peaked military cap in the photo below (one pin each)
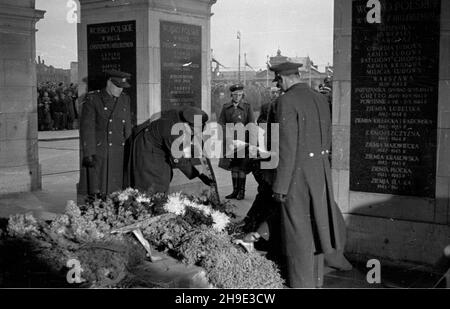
(236, 87)
(190, 112)
(118, 78)
(277, 78)
(286, 68)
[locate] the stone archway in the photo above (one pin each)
(19, 162)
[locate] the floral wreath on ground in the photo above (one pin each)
(190, 228)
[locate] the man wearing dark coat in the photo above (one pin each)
(234, 112)
(151, 159)
(262, 219)
(303, 184)
(105, 126)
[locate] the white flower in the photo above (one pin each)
(130, 191)
(123, 197)
(175, 204)
(220, 220)
(142, 199)
(73, 209)
(204, 209)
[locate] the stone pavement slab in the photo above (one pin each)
(58, 135)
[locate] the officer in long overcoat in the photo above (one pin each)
(234, 112)
(151, 159)
(105, 126)
(303, 184)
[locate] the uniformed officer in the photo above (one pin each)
(237, 111)
(311, 224)
(262, 219)
(327, 89)
(151, 159)
(105, 126)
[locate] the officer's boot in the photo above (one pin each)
(241, 186)
(235, 187)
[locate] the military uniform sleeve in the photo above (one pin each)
(185, 165)
(288, 122)
(222, 118)
(87, 126)
(128, 124)
(250, 115)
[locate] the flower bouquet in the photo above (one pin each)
(188, 228)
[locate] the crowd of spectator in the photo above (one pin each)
(57, 106)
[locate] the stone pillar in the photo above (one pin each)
(397, 229)
(19, 164)
(148, 15)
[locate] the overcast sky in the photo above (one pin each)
(56, 39)
(298, 27)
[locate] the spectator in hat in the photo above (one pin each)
(105, 126)
(59, 112)
(151, 160)
(327, 90)
(234, 112)
(69, 110)
(311, 223)
(47, 112)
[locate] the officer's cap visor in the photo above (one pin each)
(120, 82)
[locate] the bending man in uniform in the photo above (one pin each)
(151, 159)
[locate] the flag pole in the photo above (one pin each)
(267, 72)
(309, 64)
(239, 58)
(245, 66)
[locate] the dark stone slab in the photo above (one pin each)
(112, 46)
(181, 65)
(394, 98)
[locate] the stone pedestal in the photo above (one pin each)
(19, 164)
(395, 228)
(147, 17)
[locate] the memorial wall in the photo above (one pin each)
(394, 98)
(112, 46)
(164, 45)
(181, 65)
(391, 128)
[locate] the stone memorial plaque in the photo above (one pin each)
(112, 46)
(181, 65)
(394, 97)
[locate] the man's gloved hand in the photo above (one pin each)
(206, 180)
(279, 198)
(89, 161)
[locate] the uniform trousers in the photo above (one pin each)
(304, 270)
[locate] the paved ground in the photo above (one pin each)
(58, 155)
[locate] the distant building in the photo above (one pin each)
(232, 75)
(45, 73)
(309, 72)
(275, 60)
